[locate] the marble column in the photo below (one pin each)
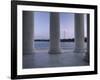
(79, 33)
(88, 25)
(54, 33)
(28, 32)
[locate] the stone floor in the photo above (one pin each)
(42, 59)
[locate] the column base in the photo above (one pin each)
(79, 50)
(86, 57)
(54, 52)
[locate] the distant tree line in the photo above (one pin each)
(62, 40)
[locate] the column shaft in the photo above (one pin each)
(79, 33)
(88, 25)
(28, 32)
(54, 33)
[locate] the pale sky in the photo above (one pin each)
(42, 22)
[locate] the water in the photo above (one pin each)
(45, 45)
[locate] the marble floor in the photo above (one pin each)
(42, 59)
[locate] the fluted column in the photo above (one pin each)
(88, 25)
(54, 33)
(79, 33)
(28, 32)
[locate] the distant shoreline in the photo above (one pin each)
(62, 40)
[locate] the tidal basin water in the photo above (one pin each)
(42, 59)
(45, 45)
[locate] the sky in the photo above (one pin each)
(42, 25)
